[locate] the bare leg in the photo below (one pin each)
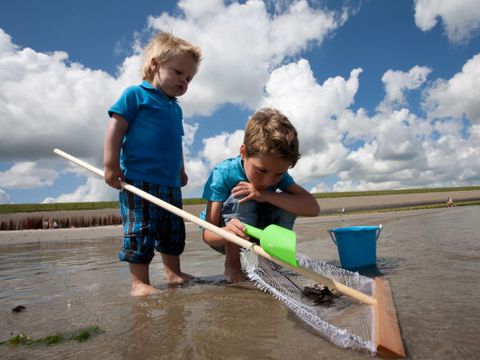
(233, 268)
(140, 277)
(171, 263)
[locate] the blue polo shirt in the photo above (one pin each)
(229, 173)
(152, 146)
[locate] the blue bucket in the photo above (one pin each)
(357, 245)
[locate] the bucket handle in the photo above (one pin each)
(380, 227)
(330, 231)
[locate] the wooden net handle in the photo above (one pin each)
(357, 295)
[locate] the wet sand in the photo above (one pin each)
(430, 258)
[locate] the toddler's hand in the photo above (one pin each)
(114, 177)
(235, 226)
(246, 191)
(183, 178)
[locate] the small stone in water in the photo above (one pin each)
(18, 308)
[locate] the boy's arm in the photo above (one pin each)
(295, 199)
(213, 215)
(116, 128)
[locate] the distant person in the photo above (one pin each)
(244, 189)
(45, 223)
(55, 224)
(450, 202)
(143, 147)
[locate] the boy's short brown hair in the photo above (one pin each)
(270, 132)
(164, 46)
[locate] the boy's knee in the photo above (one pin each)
(270, 214)
(285, 219)
(245, 212)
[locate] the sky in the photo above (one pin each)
(384, 94)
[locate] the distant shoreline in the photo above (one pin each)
(106, 217)
(395, 201)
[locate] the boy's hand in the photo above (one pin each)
(114, 176)
(246, 191)
(235, 226)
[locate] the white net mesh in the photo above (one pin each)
(344, 321)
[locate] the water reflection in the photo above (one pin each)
(430, 258)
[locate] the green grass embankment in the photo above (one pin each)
(393, 192)
(17, 208)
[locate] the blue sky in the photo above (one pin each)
(384, 94)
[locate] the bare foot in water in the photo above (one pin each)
(175, 279)
(140, 280)
(234, 275)
(175, 276)
(143, 290)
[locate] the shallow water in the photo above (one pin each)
(431, 259)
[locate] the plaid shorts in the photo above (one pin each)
(147, 227)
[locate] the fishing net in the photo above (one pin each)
(340, 319)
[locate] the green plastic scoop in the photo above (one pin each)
(276, 241)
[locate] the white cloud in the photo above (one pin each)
(188, 138)
(27, 175)
(197, 174)
(241, 43)
(394, 148)
(321, 188)
(47, 102)
(310, 106)
(461, 18)
(94, 189)
(315, 165)
(396, 158)
(396, 82)
(221, 147)
(408, 151)
(396, 139)
(458, 96)
(4, 197)
(6, 45)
